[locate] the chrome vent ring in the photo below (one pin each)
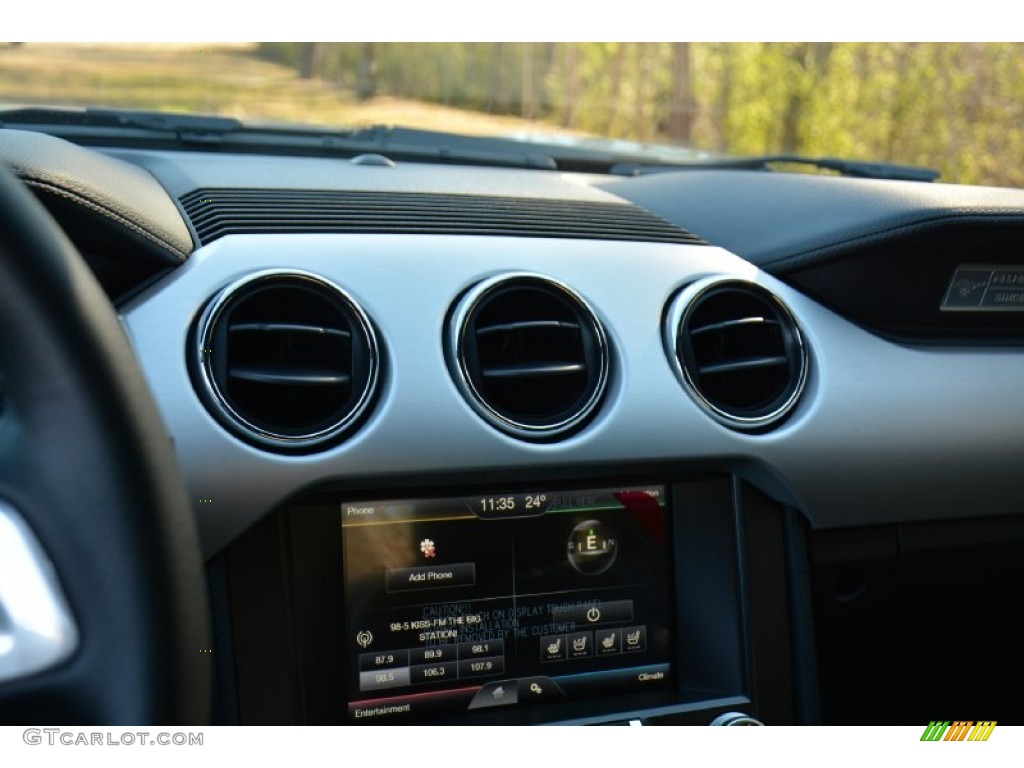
(738, 351)
(529, 355)
(286, 360)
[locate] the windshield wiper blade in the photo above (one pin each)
(856, 168)
(148, 129)
(160, 129)
(115, 118)
(162, 121)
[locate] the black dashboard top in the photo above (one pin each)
(784, 222)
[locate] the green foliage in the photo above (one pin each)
(956, 107)
(283, 53)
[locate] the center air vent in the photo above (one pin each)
(739, 351)
(285, 360)
(529, 355)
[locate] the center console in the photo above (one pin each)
(506, 600)
(583, 602)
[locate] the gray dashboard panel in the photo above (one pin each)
(884, 432)
(182, 172)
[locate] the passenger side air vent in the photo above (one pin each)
(285, 360)
(738, 351)
(529, 355)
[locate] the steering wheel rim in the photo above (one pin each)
(88, 466)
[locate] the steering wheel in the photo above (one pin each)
(103, 612)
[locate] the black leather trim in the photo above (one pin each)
(783, 222)
(87, 461)
(117, 199)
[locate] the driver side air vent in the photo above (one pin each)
(285, 360)
(738, 351)
(529, 355)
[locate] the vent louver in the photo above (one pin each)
(215, 213)
(285, 360)
(529, 355)
(739, 351)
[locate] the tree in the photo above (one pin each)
(810, 68)
(572, 85)
(366, 76)
(682, 110)
(308, 60)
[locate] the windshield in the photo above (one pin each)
(953, 107)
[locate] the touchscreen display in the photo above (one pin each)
(505, 600)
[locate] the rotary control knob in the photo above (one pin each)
(735, 718)
(592, 548)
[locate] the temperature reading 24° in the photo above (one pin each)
(536, 501)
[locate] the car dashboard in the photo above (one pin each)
(477, 445)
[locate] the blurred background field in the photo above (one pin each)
(956, 107)
(215, 78)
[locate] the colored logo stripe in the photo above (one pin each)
(958, 731)
(942, 730)
(982, 730)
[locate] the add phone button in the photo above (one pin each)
(430, 577)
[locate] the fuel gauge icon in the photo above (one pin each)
(592, 547)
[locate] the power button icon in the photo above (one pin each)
(594, 614)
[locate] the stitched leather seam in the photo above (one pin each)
(117, 218)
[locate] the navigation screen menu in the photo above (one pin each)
(505, 600)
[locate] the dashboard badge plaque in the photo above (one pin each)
(976, 288)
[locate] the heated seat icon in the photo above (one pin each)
(608, 641)
(634, 639)
(552, 648)
(581, 645)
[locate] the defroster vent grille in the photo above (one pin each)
(215, 213)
